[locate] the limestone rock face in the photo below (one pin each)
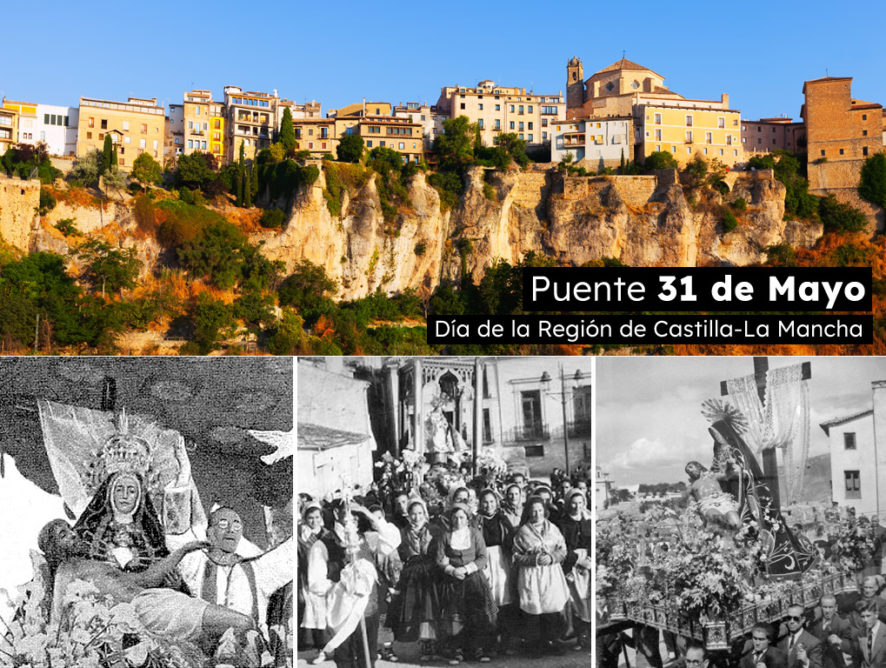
(639, 220)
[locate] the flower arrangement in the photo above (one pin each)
(853, 546)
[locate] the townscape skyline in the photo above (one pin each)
(763, 58)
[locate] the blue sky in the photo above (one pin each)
(338, 53)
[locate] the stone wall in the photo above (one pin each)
(531, 189)
(841, 179)
(19, 201)
(636, 191)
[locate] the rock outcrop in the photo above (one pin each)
(639, 220)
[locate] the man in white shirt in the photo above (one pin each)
(223, 577)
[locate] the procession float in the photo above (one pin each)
(711, 568)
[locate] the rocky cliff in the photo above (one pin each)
(639, 220)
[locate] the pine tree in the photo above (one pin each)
(254, 172)
(287, 131)
(241, 176)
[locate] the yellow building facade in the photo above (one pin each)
(686, 131)
(136, 126)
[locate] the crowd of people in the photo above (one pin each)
(467, 568)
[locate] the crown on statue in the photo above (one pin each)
(124, 451)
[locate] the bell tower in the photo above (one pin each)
(575, 84)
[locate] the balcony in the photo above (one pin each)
(537, 431)
(579, 427)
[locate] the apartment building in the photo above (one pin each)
(663, 119)
(252, 121)
(8, 128)
(399, 134)
(779, 133)
(841, 133)
(204, 125)
(316, 135)
(496, 109)
(175, 131)
(137, 126)
(312, 109)
(429, 116)
(599, 143)
(54, 125)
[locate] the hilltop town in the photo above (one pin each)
(254, 223)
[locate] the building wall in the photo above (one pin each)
(839, 130)
(686, 131)
(57, 126)
(8, 128)
(499, 109)
(865, 459)
(397, 134)
(141, 124)
(430, 118)
(27, 120)
(309, 135)
(251, 121)
(19, 201)
(773, 134)
(598, 142)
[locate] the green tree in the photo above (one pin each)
(839, 217)
(660, 160)
(217, 253)
(146, 170)
(87, 169)
(287, 131)
(196, 170)
(111, 268)
(514, 147)
(288, 336)
(211, 320)
(307, 290)
(109, 155)
(350, 148)
(454, 148)
(873, 180)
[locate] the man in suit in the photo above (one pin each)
(696, 657)
(872, 645)
(836, 633)
(801, 647)
(762, 655)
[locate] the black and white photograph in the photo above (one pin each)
(146, 512)
(738, 506)
(444, 507)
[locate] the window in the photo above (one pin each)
(864, 117)
(101, 135)
(721, 122)
(45, 119)
(544, 122)
(709, 137)
(89, 135)
(480, 106)
(521, 125)
(141, 143)
(369, 143)
(853, 486)
(324, 133)
(658, 119)
(531, 409)
(511, 108)
(128, 140)
(689, 136)
(462, 106)
(104, 124)
(841, 151)
(530, 109)
(311, 132)
(688, 120)
(126, 126)
(530, 138)
(190, 143)
(822, 152)
(401, 146)
(487, 426)
(480, 123)
(144, 128)
(498, 107)
(729, 140)
(497, 124)
(91, 122)
(864, 150)
(512, 125)
(864, 133)
(658, 135)
(849, 440)
(381, 143)
(534, 450)
(529, 125)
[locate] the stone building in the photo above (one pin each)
(317, 135)
(429, 116)
(773, 134)
(534, 413)
(841, 133)
(498, 109)
(137, 126)
(8, 128)
(663, 120)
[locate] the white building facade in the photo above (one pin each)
(599, 143)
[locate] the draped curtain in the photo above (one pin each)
(781, 420)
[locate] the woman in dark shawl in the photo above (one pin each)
(120, 524)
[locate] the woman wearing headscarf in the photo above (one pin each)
(120, 525)
(468, 622)
(539, 551)
(498, 534)
(312, 576)
(414, 611)
(575, 524)
(512, 505)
